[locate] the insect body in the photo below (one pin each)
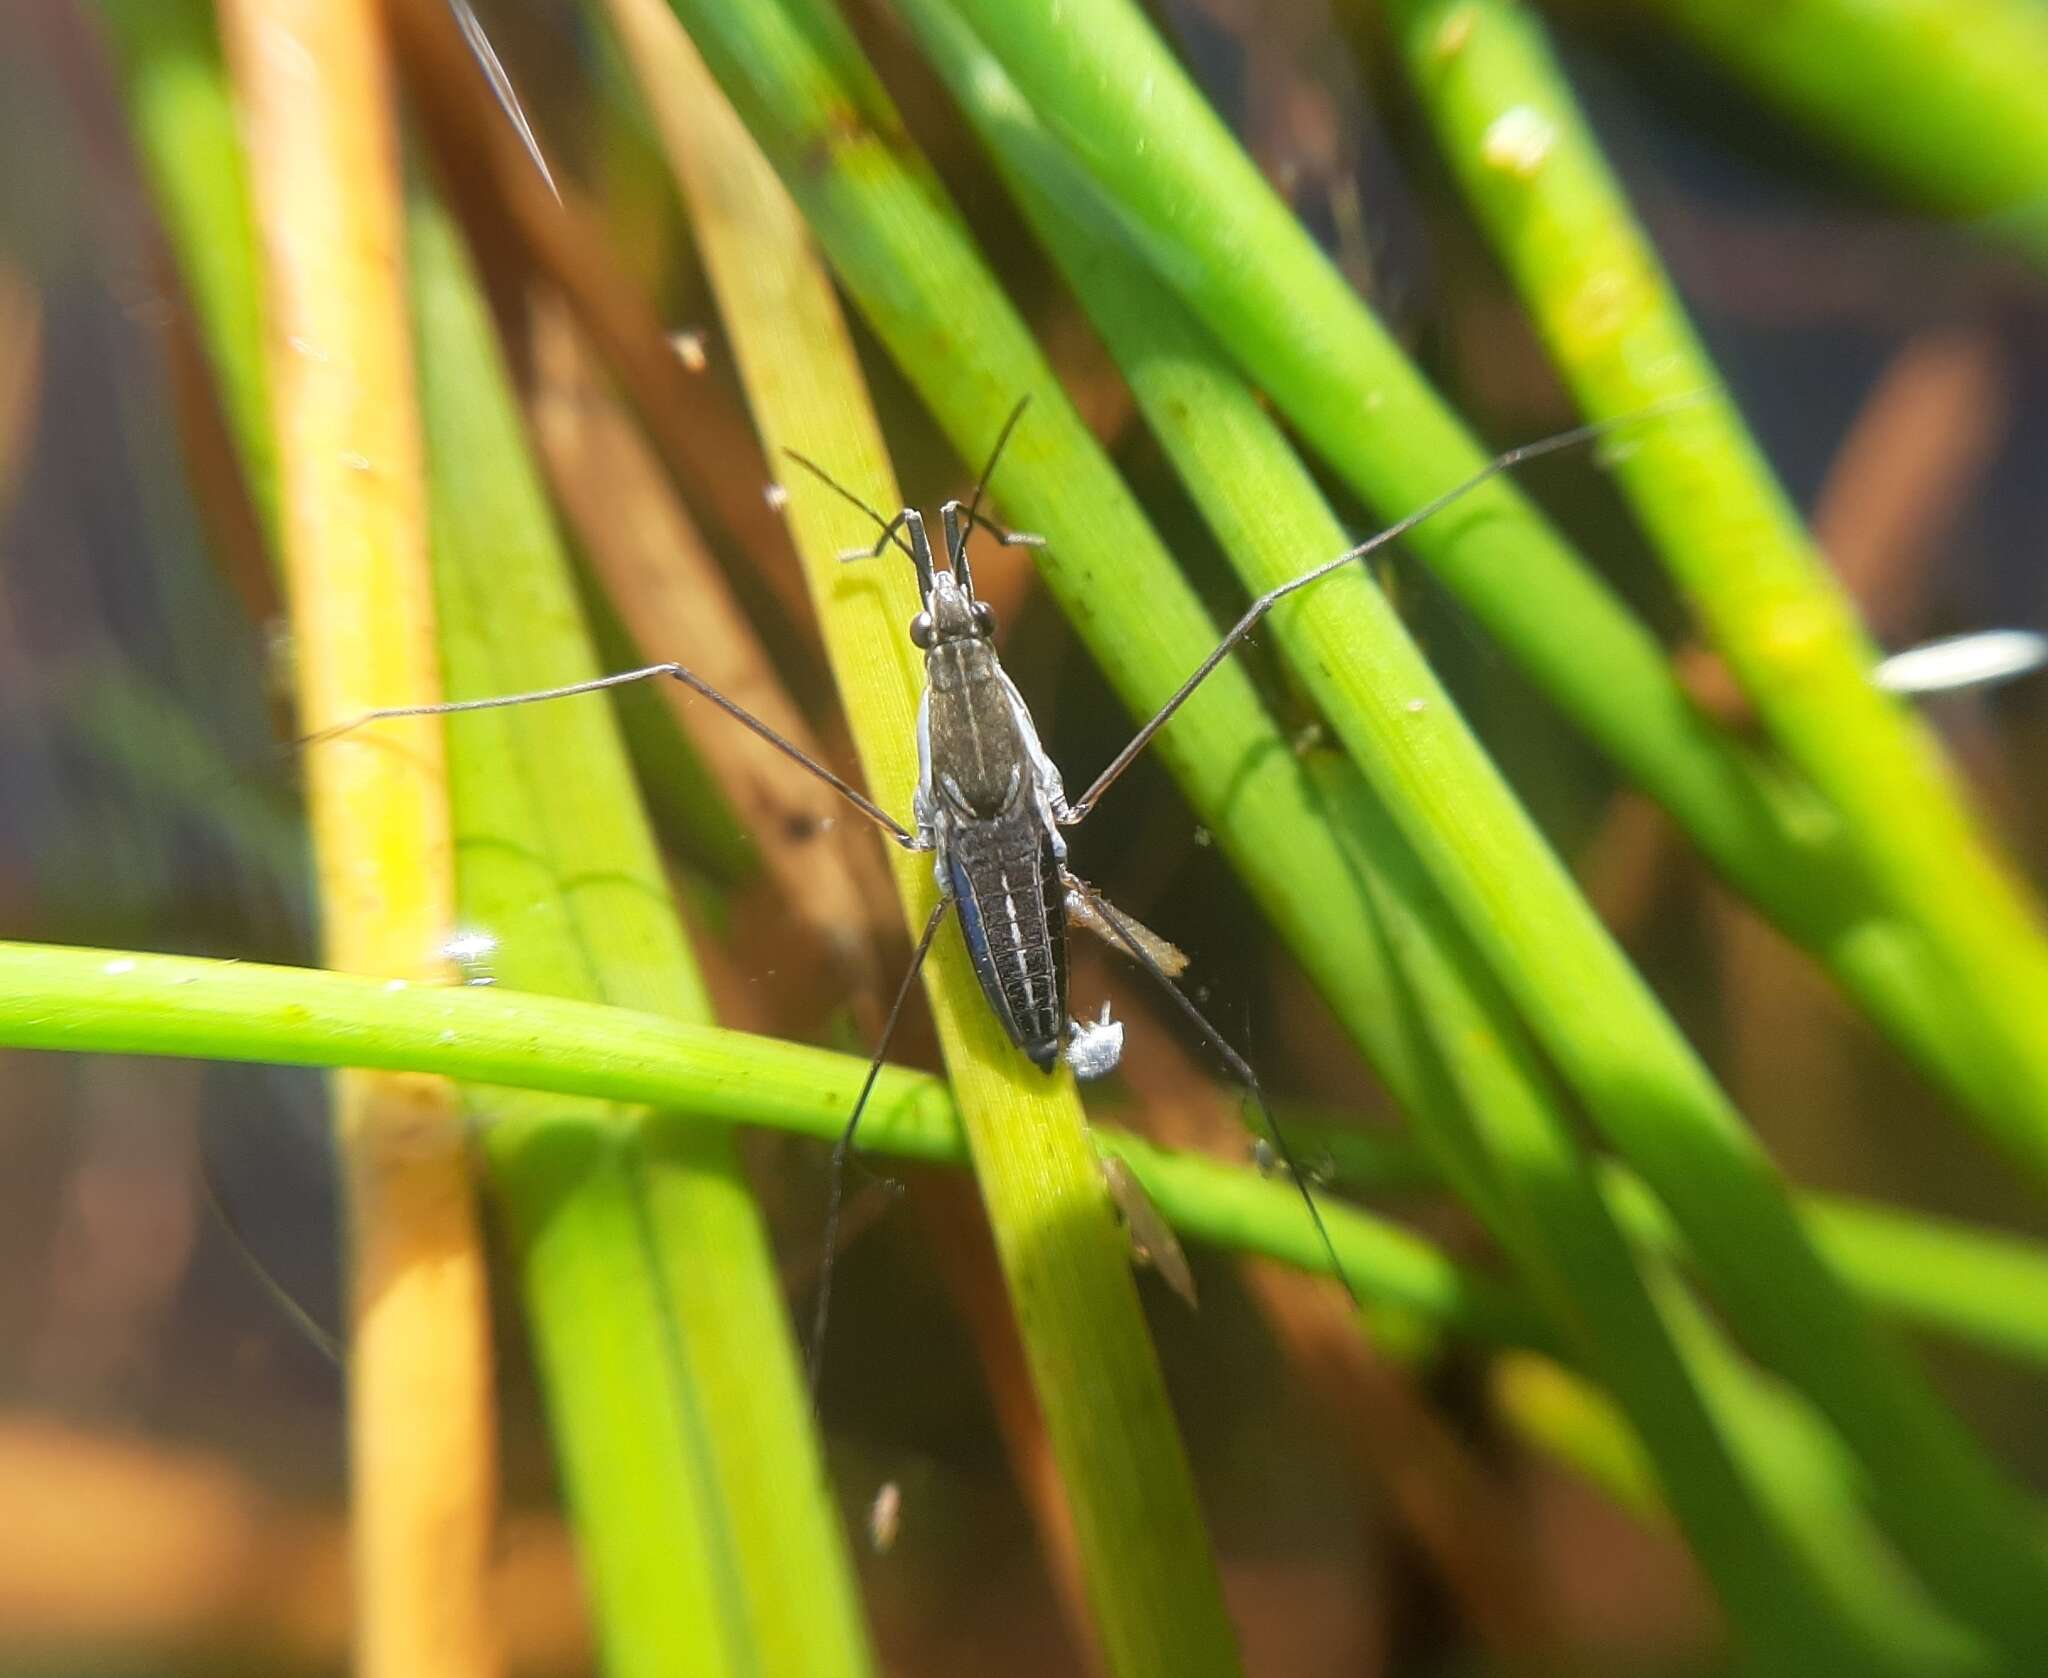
(990, 807)
(986, 797)
(989, 803)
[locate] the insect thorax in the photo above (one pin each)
(981, 764)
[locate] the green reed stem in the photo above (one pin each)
(1966, 1283)
(88, 1001)
(183, 118)
(1534, 174)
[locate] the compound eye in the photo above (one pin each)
(984, 620)
(921, 632)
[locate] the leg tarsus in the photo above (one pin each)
(1241, 1070)
(842, 1151)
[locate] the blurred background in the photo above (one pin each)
(171, 1471)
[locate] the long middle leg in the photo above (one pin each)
(1240, 1069)
(626, 678)
(842, 1150)
(1078, 809)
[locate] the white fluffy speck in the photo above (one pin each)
(1097, 1046)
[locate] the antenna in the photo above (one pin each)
(889, 527)
(988, 471)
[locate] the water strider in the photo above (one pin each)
(991, 809)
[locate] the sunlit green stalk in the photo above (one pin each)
(1936, 1274)
(1969, 1284)
(1534, 174)
(1941, 1275)
(87, 1001)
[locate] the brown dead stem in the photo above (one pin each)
(670, 592)
(314, 88)
(505, 206)
(21, 373)
(1907, 468)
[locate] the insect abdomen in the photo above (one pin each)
(1006, 882)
